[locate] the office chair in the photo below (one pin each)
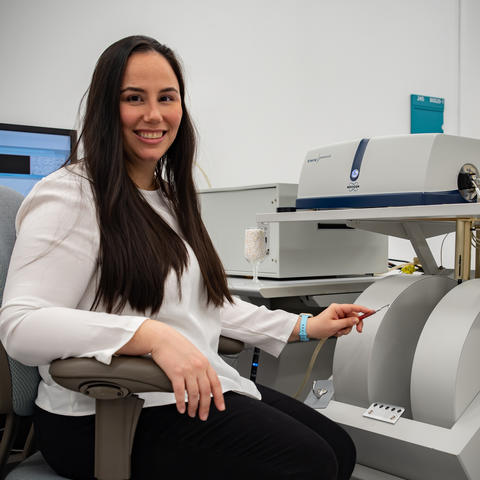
(113, 386)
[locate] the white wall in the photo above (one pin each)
(267, 79)
(470, 68)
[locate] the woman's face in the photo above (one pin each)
(150, 111)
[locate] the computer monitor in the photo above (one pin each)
(29, 153)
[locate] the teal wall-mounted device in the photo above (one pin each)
(426, 114)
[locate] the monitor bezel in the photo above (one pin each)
(48, 130)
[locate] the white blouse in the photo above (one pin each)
(51, 285)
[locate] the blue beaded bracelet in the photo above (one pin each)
(303, 327)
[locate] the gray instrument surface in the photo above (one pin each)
(375, 366)
(445, 377)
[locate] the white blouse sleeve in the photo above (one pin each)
(259, 326)
(52, 266)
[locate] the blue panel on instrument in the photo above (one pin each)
(381, 200)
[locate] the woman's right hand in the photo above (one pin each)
(187, 368)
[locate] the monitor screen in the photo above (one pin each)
(29, 153)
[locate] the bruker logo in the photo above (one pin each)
(353, 187)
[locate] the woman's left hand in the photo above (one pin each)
(334, 321)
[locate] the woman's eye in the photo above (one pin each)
(165, 98)
(134, 98)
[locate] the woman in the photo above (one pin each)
(112, 258)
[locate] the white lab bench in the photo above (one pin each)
(396, 214)
(270, 289)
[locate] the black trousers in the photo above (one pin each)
(275, 438)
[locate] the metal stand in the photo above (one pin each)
(463, 240)
(115, 424)
(419, 243)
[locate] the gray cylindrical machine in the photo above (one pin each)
(375, 366)
(445, 376)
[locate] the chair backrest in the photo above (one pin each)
(18, 382)
(10, 200)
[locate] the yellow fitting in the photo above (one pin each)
(409, 269)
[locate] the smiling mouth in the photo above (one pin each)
(150, 135)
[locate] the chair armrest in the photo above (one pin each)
(135, 374)
(125, 374)
(117, 407)
(229, 346)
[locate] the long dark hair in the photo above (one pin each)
(137, 247)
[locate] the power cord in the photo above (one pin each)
(308, 372)
(205, 176)
(441, 249)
